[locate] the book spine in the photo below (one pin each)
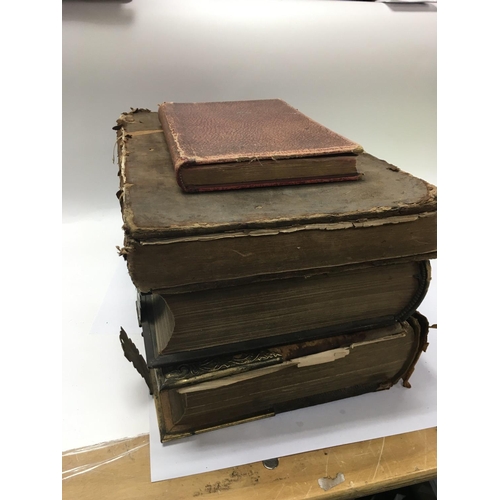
(176, 152)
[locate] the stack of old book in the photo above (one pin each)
(258, 301)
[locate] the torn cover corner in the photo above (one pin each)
(126, 117)
(134, 356)
(139, 110)
(122, 251)
(384, 386)
(422, 324)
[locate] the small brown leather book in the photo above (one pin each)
(219, 146)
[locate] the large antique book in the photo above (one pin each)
(177, 242)
(187, 326)
(218, 392)
(242, 144)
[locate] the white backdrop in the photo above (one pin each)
(366, 70)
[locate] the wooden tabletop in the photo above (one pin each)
(120, 470)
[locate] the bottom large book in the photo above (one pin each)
(218, 392)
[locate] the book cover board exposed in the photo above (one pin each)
(246, 144)
(205, 323)
(214, 393)
(179, 242)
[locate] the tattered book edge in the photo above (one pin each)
(428, 202)
(134, 356)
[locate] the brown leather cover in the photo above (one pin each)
(173, 240)
(242, 132)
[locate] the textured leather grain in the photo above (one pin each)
(242, 132)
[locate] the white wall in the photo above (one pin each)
(366, 70)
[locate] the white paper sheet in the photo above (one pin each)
(118, 309)
(360, 418)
